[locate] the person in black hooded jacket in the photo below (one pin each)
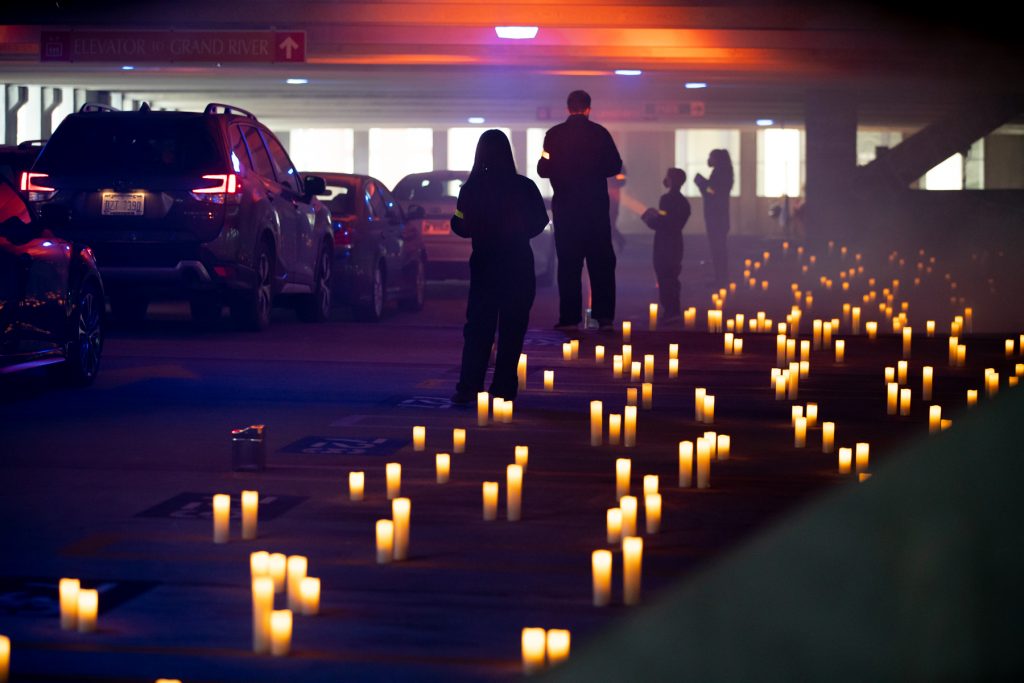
(501, 212)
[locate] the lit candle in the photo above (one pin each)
(559, 642)
(534, 641)
(617, 366)
(297, 568)
(780, 349)
(632, 561)
(574, 346)
(845, 460)
(442, 467)
(5, 659)
(631, 399)
(907, 335)
(393, 474)
(601, 574)
(634, 371)
(840, 350)
(805, 350)
(872, 328)
(991, 384)
(737, 346)
(356, 482)
(972, 398)
(628, 505)
(401, 508)
(458, 441)
(890, 374)
(698, 403)
(497, 410)
(522, 455)
(711, 439)
(599, 354)
(673, 368)
(88, 608)
(514, 497)
(259, 564)
(627, 329)
(627, 355)
(278, 567)
(262, 606)
(945, 424)
(862, 454)
(613, 525)
(953, 343)
(812, 415)
(816, 334)
(385, 541)
(794, 381)
(649, 367)
(521, 371)
(506, 412)
(800, 433)
(596, 423)
(221, 517)
(549, 380)
(892, 396)
(703, 464)
(566, 351)
(309, 596)
(653, 316)
(630, 435)
(250, 514)
(1008, 348)
(673, 351)
(961, 355)
(652, 512)
(709, 409)
(280, 632)
(805, 369)
(68, 590)
(690, 317)
(926, 382)
(614, 428)
(828, 437)
(483, 405)
(419, 438)
(728, 342)
(646, 394)
(929, 328)
(650, 483)
(934, 419)
(855, 319)
(904, 402)
(723, 447)
(490, 490)
(790, 350)
(901, 372)
(781, 382)
(623, 474)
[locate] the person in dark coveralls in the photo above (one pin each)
(500, 211)
(579, 156)
(667, 222)
(715, 191)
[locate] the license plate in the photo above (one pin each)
(436, 228)
(123, 203)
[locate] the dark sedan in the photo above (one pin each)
(51, 297)
(378, 254)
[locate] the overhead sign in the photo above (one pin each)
(135, 47)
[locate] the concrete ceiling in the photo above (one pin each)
(409, 61)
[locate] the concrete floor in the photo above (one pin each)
(84, 472)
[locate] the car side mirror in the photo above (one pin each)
(315, 185)
(415, 212)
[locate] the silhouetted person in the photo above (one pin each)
(579, 156)
(715, 191)
(667, 222)
(500, 211)
(615, 185)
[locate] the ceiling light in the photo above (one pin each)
(127, 68)
(765, 122)
(475, 119)
(628, 72)
(695, 86)
(516, 32)
(297, 81)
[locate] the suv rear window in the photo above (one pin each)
(426, 188)
(131, 143)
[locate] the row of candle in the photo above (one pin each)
(272, 573)
(79, 607)
(540, 648)
(222, 516)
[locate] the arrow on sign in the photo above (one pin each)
(288, 45)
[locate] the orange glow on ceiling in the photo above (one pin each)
(399, 60)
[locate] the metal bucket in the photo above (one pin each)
(248, 449)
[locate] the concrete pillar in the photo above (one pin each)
(518, 140)
(440, 149)
(361, 151)
(744, 216)
(80, 98)
(52, 99)
(15, 97)
(831, 121)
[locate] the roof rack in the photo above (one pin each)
(213, 107)
(94, 107)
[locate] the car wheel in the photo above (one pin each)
(128, 308)
(85, 346)
(416, 285)
(251, 310)
(206, 309)
(315, 307)
(372, 308)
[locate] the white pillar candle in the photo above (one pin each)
(794, 381)
(631, 398)
(356, 483)
(259, 564)
(901, 372)
(727, 341)
(601, 576)
(514, 492)
(907, 335)
(805, 369)
(483, 405)
(790, 350)
(442, 467)
(521, 371)
(574, 347)
(652, 512)
(992, 384)
(280, 632)
(401, 509)
(1008, 348)
(845, 460)
(68, 590)
(613, 525)
(647, 395)
(88, 609)
(698, 403)
(549, 380)
(506, 412)
(723, 447)
(634, 371)
(5, 659)
(673, 351)
(458, 441)
(298, 565)
(627, 330)
(892, 398)
(419, 438)
(781, 383)
(278, 570)
(497, 410)
(904, 402)
(559, 640)
(972, 398)
(703, 464)
(628, 505)
(650, 483)
(737, 347)
(623, 474)
(826, 334)
(616, 366)
(629, 438)
(490, 491)
(840, 350)
(566, 351)
(649, 367)
(632, 563)
(929, 328)
(855, 319)
(780, 349)
(795, 412)
(393, 475)
(805, 350)
(872, 329)
(927, 373)
(812, 415)
(522, 456)
(262, 606)
(599, 354)
(890, 374)
(828, 437)
(961, 355)
(934, 419)
(800, 432)
(309, 596)
(627, 356)
(953, 343)
(673, 368)
(816, 333)
(614, 428)
(385, 541)
(690, 317)
(862, 454)
(709, 409)
(221, 517)
(534, 644)
(652, 316)
(596, 423)
(250, 514)
(945, 424)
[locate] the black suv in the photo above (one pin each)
(204, 206)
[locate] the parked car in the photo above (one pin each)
(436, 193)
(51, 297)
(204, 206)
(14, 159)
(378, 253)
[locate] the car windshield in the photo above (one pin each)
(340, 198)
(132, 143)
(426, 189)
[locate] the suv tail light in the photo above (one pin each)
(31, 183)
(342, 234)
(228, 189)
